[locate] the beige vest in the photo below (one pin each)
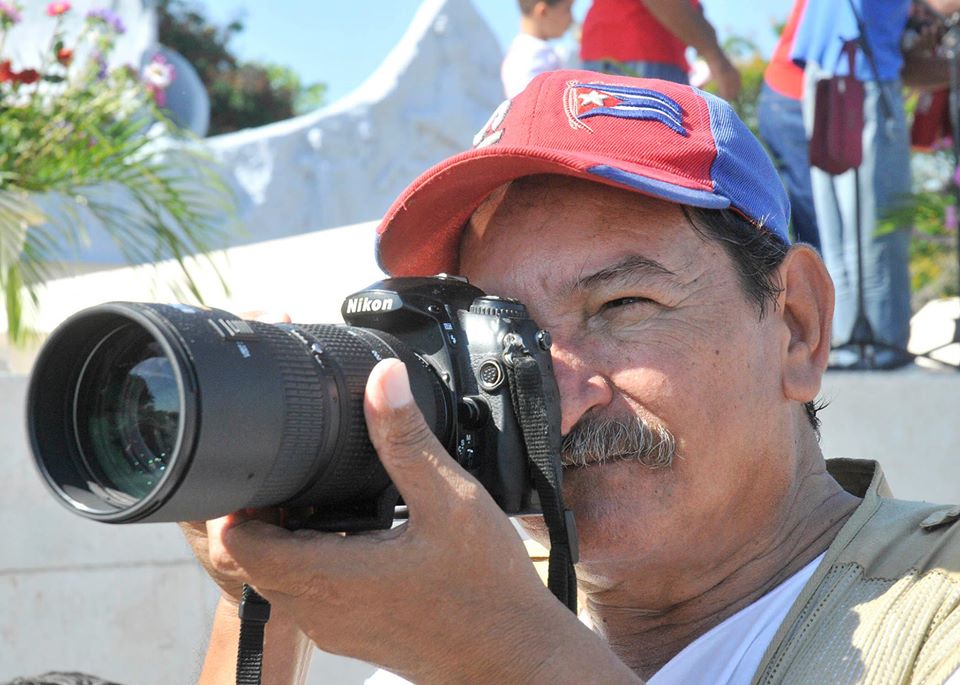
(884, 605)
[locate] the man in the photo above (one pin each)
(780, 124)
(781, 128)
(649, 38)
(872, 200)
(644, 226)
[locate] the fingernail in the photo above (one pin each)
(396, 386)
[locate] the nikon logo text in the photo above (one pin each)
(357, 305)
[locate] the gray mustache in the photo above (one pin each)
(595, 440)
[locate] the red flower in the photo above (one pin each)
(7, 74)
(55, 9)
(65, 56)
(27, 76)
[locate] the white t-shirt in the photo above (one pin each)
(526, 57)
(728, 653)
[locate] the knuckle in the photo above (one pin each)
(222, 562)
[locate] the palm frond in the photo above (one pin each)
(155, 195)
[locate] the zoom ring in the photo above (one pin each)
(354, 471)
(305, 418)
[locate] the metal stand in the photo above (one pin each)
(862, 337)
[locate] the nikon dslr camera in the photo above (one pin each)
(168, 412)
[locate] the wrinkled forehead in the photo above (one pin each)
(563, 211)
(554, 228)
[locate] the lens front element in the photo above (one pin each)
(127, 414)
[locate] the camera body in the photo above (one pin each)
(165, 412)
(469, 339)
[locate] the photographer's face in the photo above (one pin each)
(648, 320)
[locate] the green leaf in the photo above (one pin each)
(85, 154)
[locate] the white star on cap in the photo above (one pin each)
(594, 97)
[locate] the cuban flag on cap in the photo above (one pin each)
(585, 100)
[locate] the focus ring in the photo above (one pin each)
(305, 421)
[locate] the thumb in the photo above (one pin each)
(426, 476)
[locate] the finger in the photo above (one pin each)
(427, 477)
(274, 559)
(193, 528)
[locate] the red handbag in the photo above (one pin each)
(931, 129)
(836, 144)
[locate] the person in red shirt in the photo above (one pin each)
(780, 117)
(649, 38)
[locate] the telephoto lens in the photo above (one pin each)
(153, 412)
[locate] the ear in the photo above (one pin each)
(540, 9)
(806, 308)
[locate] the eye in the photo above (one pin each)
(625, 302)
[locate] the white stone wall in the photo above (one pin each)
(345, 163)
(342, 164)
(305, 276)
(31, 36)
(909, 420)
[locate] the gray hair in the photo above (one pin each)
(597, 439)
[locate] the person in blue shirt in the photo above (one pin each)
(884, 175)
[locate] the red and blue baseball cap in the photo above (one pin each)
(665, 140)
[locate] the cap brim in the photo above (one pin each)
(420, 233)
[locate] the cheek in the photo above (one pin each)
(709, 388)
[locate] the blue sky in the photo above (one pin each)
(342, 43)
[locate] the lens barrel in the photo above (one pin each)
(151, 412)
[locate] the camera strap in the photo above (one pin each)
(885, 104)
(543, 452)
(254, 614)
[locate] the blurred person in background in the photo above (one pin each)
(649, 38)
(884, 175)
(780, 115)
(530, 52)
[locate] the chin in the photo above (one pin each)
(617, 506)
(620, 486)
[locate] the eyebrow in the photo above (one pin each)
(628, 268)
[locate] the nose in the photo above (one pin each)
(582, 387)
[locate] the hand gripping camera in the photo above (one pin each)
(160, 412)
